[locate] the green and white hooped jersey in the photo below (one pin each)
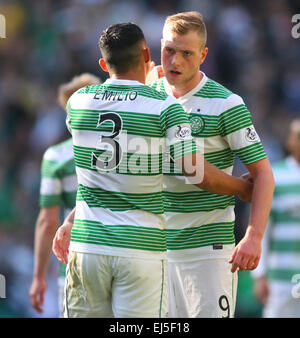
(58, 180)
(280, 257)
(120, 129)
(201, 224)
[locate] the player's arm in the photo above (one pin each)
(46, 226)
(259, 275)
(247, 253)
(208, 177)
(62, 238)
(188, 156)
(236, 127)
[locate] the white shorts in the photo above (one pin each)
(281, 303)
(202, 289)
(61, 288)
(113, 286)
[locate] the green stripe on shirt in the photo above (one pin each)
(123, 236)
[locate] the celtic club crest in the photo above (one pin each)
(197, 124)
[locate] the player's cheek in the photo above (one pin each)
(165, 58)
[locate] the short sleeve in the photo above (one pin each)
(176, 128)
(236, 127)
(51, 184)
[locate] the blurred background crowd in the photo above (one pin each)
(251, 51)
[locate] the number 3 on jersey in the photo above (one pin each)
(108, 144)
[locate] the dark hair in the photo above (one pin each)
(120, 46)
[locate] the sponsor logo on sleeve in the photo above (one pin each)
(251, 134)
(183, 133)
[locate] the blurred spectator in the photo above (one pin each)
(278, 274)
(57, 192)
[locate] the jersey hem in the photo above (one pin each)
(113, 251)
(206, 252)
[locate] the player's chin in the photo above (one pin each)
(174, 77)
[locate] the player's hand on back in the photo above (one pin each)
(247, 177)
(155, 73)
(61, 242)
(246, 194)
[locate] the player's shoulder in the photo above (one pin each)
(89, 89)
(229, 102)
(153, 91)
(83, 94)
(217, 92)
(213, 90)
(143, 90)
(60, 152)
(158, 85)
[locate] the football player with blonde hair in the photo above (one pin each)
(202, 256)
(58, 189)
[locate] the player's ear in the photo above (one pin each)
(203, 55)
(102, 64)
(146, 53)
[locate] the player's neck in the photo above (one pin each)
(181, 90)
(134, 75)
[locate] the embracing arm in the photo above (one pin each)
(62, 238)
(208, 177)
(247, 253)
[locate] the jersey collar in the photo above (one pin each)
(123, 82)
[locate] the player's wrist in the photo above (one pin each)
(254, 233)
(67, 225)
(39, 277)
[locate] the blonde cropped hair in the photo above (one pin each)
(182, 23)
(67, 89)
